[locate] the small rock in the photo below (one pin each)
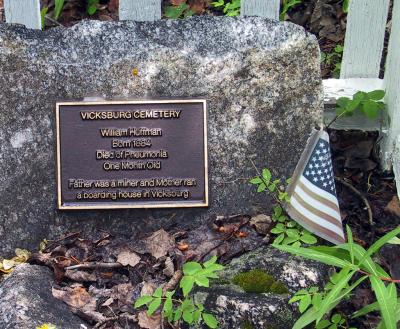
(234, 307)
(26, 301)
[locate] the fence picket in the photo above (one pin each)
(366, 23)
(139, 10)
(392, 85)
(263, 8)
(25, 12)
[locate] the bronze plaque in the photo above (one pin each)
(132, 154)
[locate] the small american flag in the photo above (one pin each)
(313, 201)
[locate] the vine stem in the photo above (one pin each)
(335, 118)
(383, 279)
(359, 194)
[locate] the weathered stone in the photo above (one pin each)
(26, 301)
(295, 272)
(234, 308)
(261, 77)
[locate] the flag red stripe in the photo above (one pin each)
(317, 229)
(335, 221)
(317, 197)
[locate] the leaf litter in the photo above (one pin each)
(101, 278)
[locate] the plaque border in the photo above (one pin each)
(177, 204)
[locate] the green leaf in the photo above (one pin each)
(394, 240)
(346, 6)
(376, 95)
(293, 233)
(210, 262)
(315, 255)
(382, 241)
(295, 298)
(261, 188)
(196, 316)
(279, 238)
(353, 105)
(317, 300)
(277, 230)
(272, 187)
(266, 176)
(168, 306)
(278, 211)
(153, 306)
(365, 262)
(306, 319)
(336, 318)
(211, 268)
(351, 242)
(304, 303)
(256, 180)
(43, 14)
(202, 281)
(366, 309)
(186, 284)
(158, 293)
(342, 102)
(308, 238)
(175, 12)
(382, 296)
(323, 324)
(58, 7)
(329, 302)
(91, 10)
(178, 314)
(210, 320)
(191, 268)
(370, 109)
(143, 301)
(188, 316)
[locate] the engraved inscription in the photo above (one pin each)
(132, 154)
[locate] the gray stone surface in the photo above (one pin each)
(26, 301)
(262, 79)
(234, 307)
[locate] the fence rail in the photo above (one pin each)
(362, 57)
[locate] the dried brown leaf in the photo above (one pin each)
(127, 257)
(76, 297)
(160, 243)
(149, 322)
(169, 269)
(393, 207)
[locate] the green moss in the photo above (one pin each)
(258, 281)
(246, 325)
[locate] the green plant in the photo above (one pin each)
(370, 104)
(257, 281)
(43, 13)
(91, 7)
(356, 265)
(58, 7)
(181, 11)
(345, 6)
(177, 309)
(334, 59)
(287, 230)
(286, 6)
(229, 8)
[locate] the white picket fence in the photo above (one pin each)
(366, 25)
